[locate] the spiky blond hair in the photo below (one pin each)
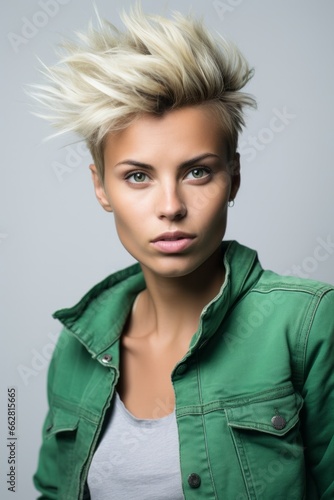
(108, 78)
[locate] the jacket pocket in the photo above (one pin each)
(61, 421)
(62, 427)
(265, 432)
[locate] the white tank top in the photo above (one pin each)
(136, 459)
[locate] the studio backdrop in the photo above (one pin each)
(56, 241)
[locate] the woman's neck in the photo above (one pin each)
(169, 308)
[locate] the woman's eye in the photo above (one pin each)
(137, 177)
(198, 173)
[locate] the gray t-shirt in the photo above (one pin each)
(137, 459)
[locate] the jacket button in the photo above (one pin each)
(278, 422)
(180, 370)
(106, 358)
(194, 480)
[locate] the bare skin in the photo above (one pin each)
(162, 323)
(152, 190)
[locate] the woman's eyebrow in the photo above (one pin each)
(197, 159)
(134, 163)
(185, 164)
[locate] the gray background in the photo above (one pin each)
(56, 242)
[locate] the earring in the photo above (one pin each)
(231, 203)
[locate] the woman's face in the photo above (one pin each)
(168, 185)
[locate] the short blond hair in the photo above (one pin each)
(108, 78)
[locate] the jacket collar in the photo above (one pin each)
(97, 320)
(242, 271)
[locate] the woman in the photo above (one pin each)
(194, 373)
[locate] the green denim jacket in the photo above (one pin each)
(254, 393)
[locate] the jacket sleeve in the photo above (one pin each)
(46, 477)
(318, 394)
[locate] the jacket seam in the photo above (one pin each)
(75, 410)
(251, 264)
(221, 404)
(204, 428)
(307, 335)
(85, 466)
(293, 288)
(237, 445)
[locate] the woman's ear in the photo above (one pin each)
(235, 176)
(99, 189)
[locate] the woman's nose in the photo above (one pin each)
(170, 203)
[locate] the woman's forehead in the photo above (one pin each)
(186, 131)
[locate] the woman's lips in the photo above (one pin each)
(173, 242)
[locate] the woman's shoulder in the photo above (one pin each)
(244, 261)
(272, 280)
